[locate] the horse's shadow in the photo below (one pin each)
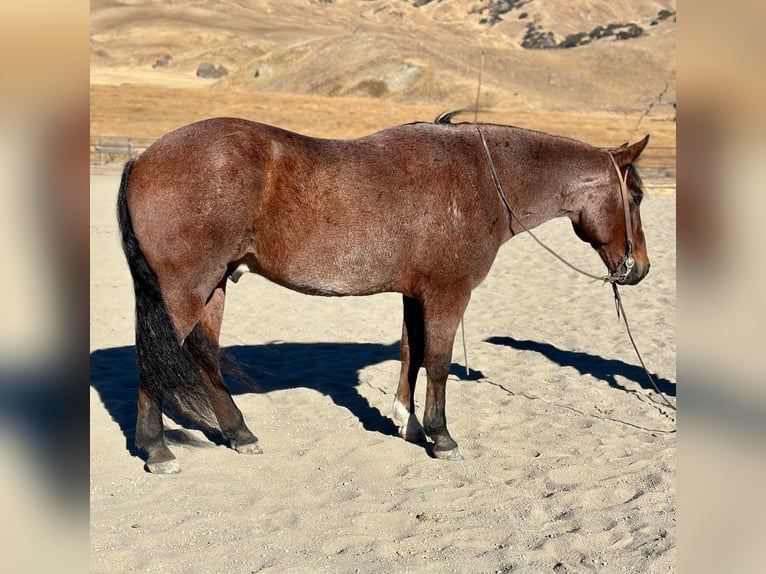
(330, 368)
(586, 364)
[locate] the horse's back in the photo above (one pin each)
(334, 217)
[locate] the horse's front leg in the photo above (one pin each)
(412, 351)
(441, 322)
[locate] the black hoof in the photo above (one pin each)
(451, 454)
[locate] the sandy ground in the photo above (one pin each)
(569, 466)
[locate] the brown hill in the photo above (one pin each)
(344, 67)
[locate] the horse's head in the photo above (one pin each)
(609, 219)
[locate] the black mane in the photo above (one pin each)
(446, 117)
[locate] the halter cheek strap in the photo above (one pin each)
(628, 260)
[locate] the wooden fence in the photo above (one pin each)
(658, 163)
(109, 153)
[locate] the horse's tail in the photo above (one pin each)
(167, 368)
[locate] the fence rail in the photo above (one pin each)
(109, 153)
(658, 163)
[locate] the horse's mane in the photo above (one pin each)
(636, 177)
(446, 117)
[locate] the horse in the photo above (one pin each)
(410, 209)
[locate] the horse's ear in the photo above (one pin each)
(628, 154)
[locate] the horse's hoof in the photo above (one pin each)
(451, 454)
(249, 448)
(164, 467)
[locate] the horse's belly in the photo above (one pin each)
(340, 274)
(323, 274)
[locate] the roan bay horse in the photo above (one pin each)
(411, 209)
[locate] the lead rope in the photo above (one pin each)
(620, 308)
(500, 192)
(606, 279)
(465, 349)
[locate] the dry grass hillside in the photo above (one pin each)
(342, 68)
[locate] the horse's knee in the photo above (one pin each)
(438, 368)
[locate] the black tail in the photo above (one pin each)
(167, 369)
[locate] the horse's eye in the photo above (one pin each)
(636, 199)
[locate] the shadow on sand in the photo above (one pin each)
(329, 368)
(586, 364)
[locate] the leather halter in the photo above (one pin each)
(627, 261)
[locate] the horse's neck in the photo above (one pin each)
(536, 174)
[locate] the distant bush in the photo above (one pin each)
(211, 70)
(162, 62)
(497, 10)
(601, 32)
(632, 31)
(536, 39)
(573, 40)
(665, 14)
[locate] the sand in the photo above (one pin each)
(569, 464)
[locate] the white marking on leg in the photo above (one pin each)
(410, 428)
(401, 413)
(241, 269)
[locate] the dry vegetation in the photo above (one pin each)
(343, 68)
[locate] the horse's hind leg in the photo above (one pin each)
(165, 369)
(412, 351)
(150, 436)
(207, 356)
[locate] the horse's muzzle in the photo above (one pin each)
(626, 274)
